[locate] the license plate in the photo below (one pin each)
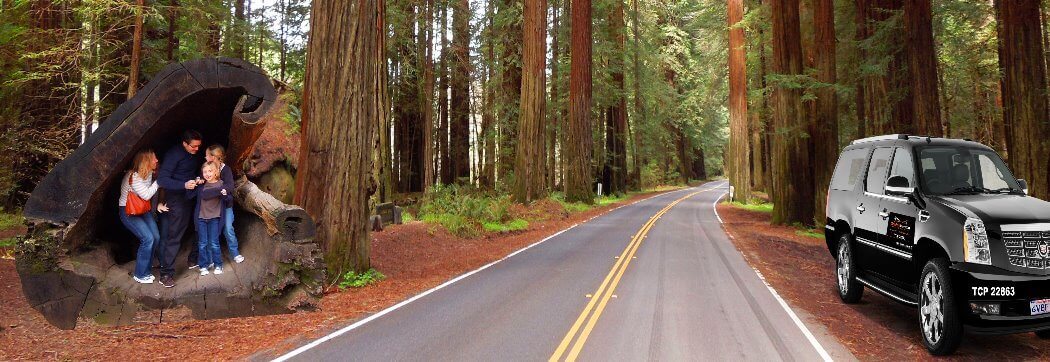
(1041, 306)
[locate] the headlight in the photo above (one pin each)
(975, 242)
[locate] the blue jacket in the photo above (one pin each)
(176, 167)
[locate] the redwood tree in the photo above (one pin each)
(792, 190)
(530, 159)
(1021, 63)
(825, 130)
(739, 168)
(341, 107)
(614, 175)
(579, 145)
(459, 123)
(922, 67)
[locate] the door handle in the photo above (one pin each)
(884, 214)
(860, 208)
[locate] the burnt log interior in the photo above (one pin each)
(78, 255)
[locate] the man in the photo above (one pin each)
(178, 177)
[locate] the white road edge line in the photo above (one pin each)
(370, 318)
(798, 322)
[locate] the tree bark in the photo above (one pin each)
(578, 171)
(615, 171)
(555, 119)
(1022, 65)
(341, 106)
(739, 149)
(459, 124)
(510, 79)
(445, 171)
(427, 95)
(136, 50)
(639, 105)
(825, 133)
(792, 191)
(922, 67)
(530, 180)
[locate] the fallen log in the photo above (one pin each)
(76, 260)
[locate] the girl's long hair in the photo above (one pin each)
(143, 163)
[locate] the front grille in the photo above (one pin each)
(1023, 248)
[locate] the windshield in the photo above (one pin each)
(961, 170)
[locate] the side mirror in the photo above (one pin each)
(899, 186)
(1024, 185)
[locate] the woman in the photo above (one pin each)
(217, 155)
(139, 180)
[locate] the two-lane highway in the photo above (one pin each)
(654, 280)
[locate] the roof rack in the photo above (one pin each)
(900, 136)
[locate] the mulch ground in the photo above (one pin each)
(414, 257)
(802, 270)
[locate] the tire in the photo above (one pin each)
(939, 322)
(1043, 334)
(850, 290)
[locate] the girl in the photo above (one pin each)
(217, 155)
(211, 196)
(139, 180)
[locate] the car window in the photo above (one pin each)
(903, 166)
(877, 168)
(991, 175)
(849, 169)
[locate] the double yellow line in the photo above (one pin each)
(605, 291)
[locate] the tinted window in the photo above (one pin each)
(903, 166)
(961, 170)
(877, 168)
(849, 169)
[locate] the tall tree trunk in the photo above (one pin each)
(445, 171)
(739, 149)
(555, 119)
(825, 133)
(488, 128)
(639, 110)
(341, 106)
(529, 180)
(922, 67)
(792, 191)
(136, 50)
(510, 77)
(459, 124)
(1022, 65)
(238, 34)
(580, 145)
(427, 94)
(615, 172)
(173, 41)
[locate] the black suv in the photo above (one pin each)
(943, 225)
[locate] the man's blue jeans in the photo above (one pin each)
(145, 228)
(208, 252)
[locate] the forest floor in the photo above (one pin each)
(414, 257)
(799, 266)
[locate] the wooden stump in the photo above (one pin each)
(74, 262)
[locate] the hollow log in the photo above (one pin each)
(76, 261)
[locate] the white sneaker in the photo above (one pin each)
(146, 280)
(204, 271)
(218, 270)
(238, 259)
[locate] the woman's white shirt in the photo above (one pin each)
(144, 188)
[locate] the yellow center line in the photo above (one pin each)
(605, 290)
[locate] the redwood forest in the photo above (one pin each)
(380, 148)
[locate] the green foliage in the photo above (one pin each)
(463, 210)
(513, 225)
(754, 205)
(406, 217)
(10, 220)
(813, 233)
(357, 280)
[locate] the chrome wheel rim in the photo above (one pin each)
(932, 308)
(843, 268)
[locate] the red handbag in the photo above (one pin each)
(136, 205)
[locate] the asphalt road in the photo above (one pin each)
(622, 286)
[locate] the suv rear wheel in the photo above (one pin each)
(850, 290)
(939, 323)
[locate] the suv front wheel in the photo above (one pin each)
(939, 323)
(850, 290)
